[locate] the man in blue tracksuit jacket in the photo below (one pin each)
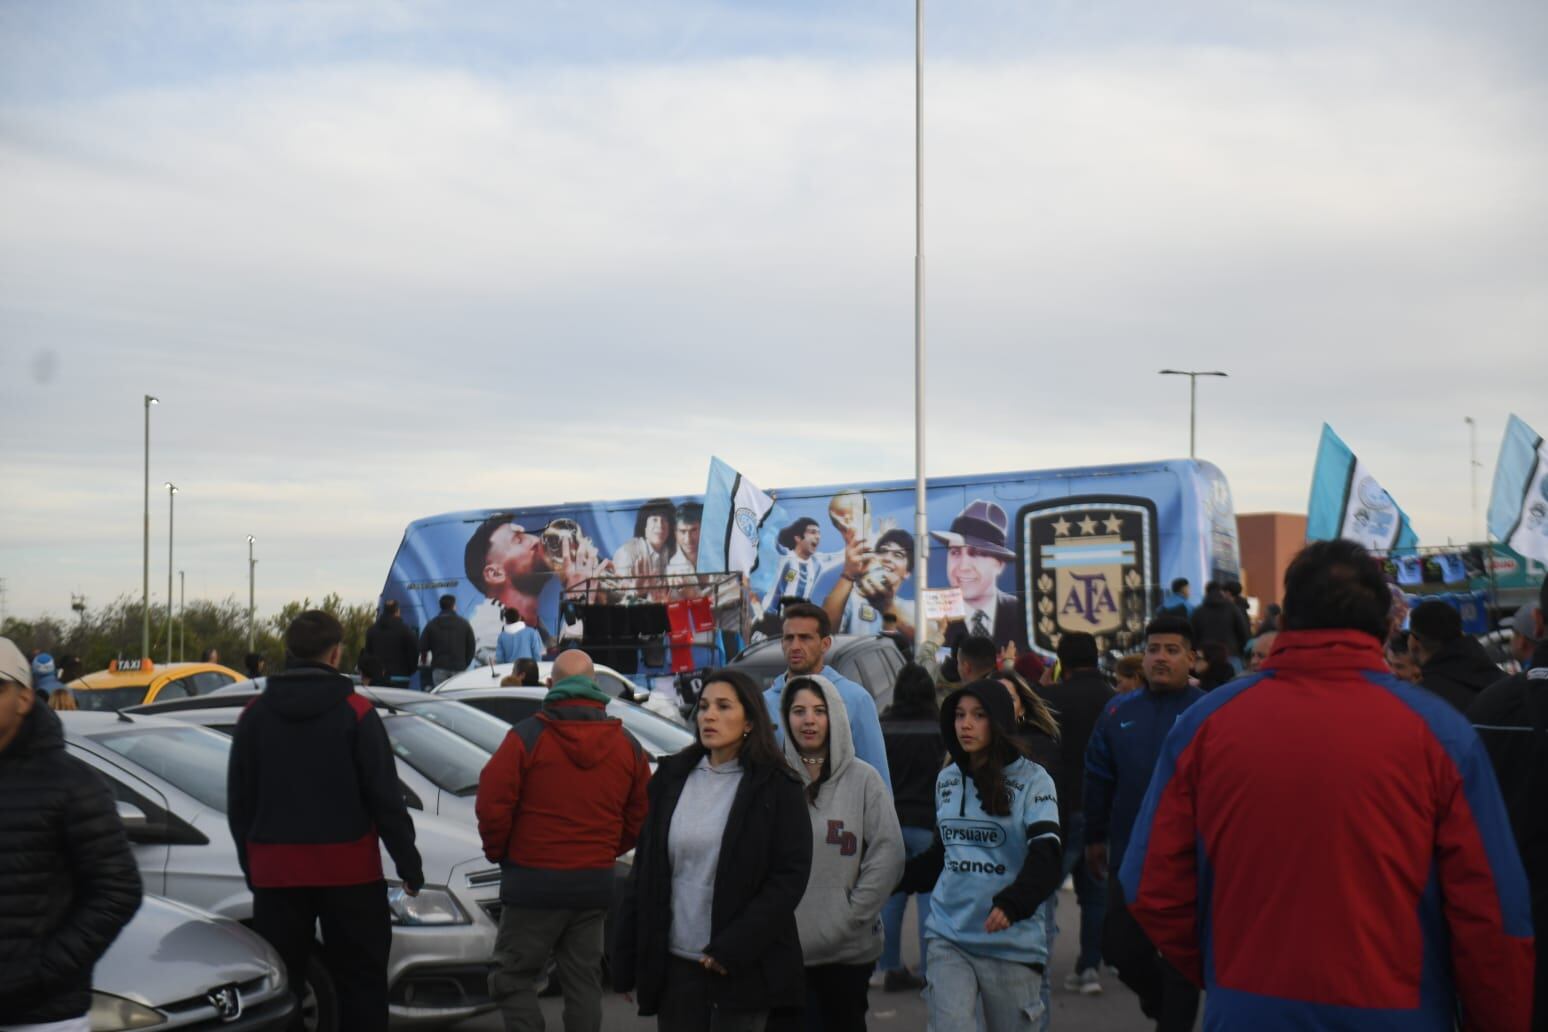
(807, 636)
(1120, 759)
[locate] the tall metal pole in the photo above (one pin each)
(1472, 450)
(251, 566)
(182, 614)
(171, 515)
(1193, 402)
(145, 566)
(921, 525)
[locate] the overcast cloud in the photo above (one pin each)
(386, 260)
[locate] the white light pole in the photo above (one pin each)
(921, 518)
(145, 568)
(182, 614)
(252, 564)
(1193, 402)
(1473, 464)
(171, 512)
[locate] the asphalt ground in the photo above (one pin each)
(1115, 1010)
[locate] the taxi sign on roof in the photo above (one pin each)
(126, 666)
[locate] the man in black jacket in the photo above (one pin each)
(1077, 699)
(1511, 717)
(447, 642)
(312, 784)
(68, 882)
(1218, 619)
(1453, 665)
(390, 640)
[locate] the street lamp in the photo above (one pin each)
(251, 565)
(145, 569)
(1193, 401)
(171, 513)
(182, 614)
(1473, 464)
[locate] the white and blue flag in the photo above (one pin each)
(737, 532)
(1518, 504)
(1347, 502)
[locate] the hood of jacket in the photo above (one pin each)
(997, 703)
(41, 731)
(582, 729)
(306, 690)
(841, 742)
(1463, 662)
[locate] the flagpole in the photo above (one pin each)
(921, 527)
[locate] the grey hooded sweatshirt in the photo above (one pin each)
(857, 846)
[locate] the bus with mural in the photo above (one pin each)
(1034, 554)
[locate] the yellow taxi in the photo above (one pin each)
(129, 682)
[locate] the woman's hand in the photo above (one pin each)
(996, 921)
(711, 964)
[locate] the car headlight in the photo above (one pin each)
(111, 1013)
(430, 907)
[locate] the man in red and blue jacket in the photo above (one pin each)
(1324, 846)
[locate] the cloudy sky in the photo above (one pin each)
(381, 260)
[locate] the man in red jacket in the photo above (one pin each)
(560, 800)
(1324, 846)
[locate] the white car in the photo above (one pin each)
(177, 967)
(170, 782)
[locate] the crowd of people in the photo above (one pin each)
(1326, 826)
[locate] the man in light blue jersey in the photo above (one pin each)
(807, 635)
(798, 570)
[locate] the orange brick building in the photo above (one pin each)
(1268, 541)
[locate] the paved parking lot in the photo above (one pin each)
(1116, 1010)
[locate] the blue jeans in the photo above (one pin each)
(1048, 913)
(915, 841)
(1089, 893)
(1011, 993)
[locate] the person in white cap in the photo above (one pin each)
(63, 841)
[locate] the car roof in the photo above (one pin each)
(86, 722)
(136, 678)
(842, 643)
(235, 697)
(514, 691)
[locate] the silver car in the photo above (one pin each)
(170, 781)
(174, 966)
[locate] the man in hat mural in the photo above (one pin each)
(977, 549)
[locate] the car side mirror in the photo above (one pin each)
(132, 816)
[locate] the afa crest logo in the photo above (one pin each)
(1088, 564)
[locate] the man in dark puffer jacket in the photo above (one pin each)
(68, 882)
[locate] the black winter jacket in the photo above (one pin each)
(1077, 702)
(1218, 619)
(68, 882)
(915, 757)
(390, 640)
(1458, 671)
(1511, 717)
(450, 641)
(765, 859)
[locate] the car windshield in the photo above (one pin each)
(481, 729)
(451, 762)
(191, 759)
(108, 699)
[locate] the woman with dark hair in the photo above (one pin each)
(650, 550)
(857, 855)
(911, 729)
(996, 857)
(706, 931)
(1214, 666)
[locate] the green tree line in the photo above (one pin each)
(113, 631)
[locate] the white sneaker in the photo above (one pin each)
(1087, 982)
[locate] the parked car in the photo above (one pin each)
(437, 769)
(131, 682)
(869, 660)
(490, 676)
(177, 967)
(657, 735)
(170, 782)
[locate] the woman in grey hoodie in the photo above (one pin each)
(857, 855)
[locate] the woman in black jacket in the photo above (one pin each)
(706, 930)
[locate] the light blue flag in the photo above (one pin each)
(738, 529)
(1518, 503)
(1347, 502)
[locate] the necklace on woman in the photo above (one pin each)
(814, 761)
